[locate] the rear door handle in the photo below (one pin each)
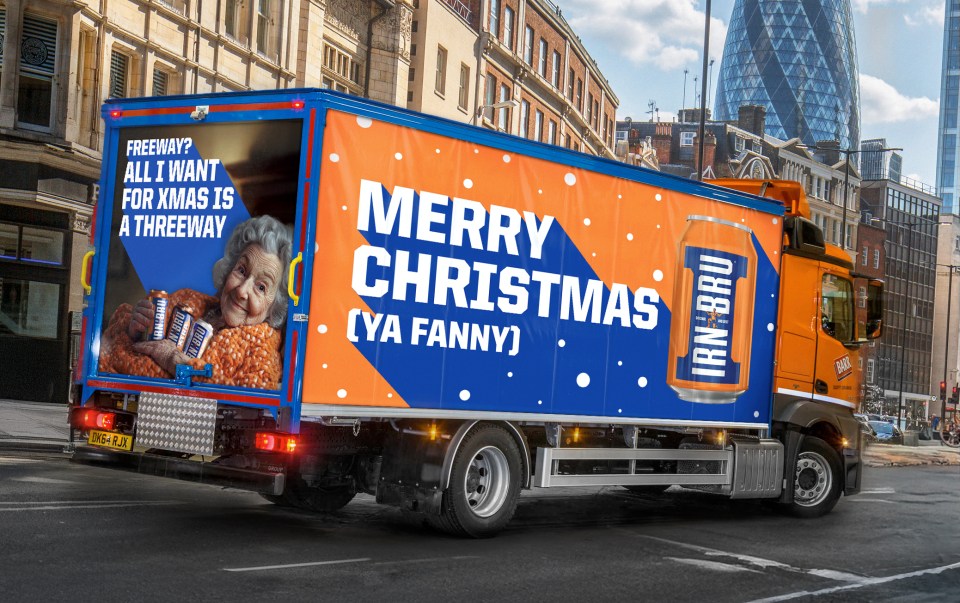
(821, 386)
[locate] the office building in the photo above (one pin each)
(799, 60)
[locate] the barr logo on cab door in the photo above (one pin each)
(843, 367)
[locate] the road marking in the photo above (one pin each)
(41, 480)
(713, 565)
(759, 562)
(68, 505)
(878, 491)
(292, 565)
(860, 584)
(872, 500)
(433, 560)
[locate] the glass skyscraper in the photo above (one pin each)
(947, 173)
(797, 58)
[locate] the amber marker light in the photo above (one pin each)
(576, 434)
(433, 432)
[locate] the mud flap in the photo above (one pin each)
(411, 472)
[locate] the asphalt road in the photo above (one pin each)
(79, 533)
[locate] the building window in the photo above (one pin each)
(870, 370)
(570, 79)
(464, 96)
(579, 95)
(267, 31)
(538, 126)
(489, 94)
(686, 139)
(348, 71)
(160, 81)
(552, 132)
(503, 119)
(864, 256)
(508, 27)
(119, 73)
(495, 17)
(542, 58)
(555, 74)
(528, 45)
(235, 23)
(440, 83)
(876, 258)
(38, 52)
(525, 119)
(738, 144)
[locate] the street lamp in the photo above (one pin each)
(946, 344)
(846, 182)
(703, 91)
(903, 325)
(507, 104)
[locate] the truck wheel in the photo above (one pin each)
(816, 484)
(484, 485)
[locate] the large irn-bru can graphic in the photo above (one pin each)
(712, 311)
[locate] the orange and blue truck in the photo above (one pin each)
(441, 316)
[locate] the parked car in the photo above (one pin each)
(887, 433)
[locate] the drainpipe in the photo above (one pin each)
(385, 5)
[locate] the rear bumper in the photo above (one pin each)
(205, 473)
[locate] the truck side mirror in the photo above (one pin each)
(874, 310)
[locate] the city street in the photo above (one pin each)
(81, 533)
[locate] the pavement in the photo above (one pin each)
(42, 427)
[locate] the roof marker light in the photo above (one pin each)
(298, 104)
(115, 113)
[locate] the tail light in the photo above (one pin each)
(275, 442)
(91, 418)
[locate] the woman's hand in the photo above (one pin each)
(141, 320)
(164, 352)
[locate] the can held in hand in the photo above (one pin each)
(711, 328)
(160, 300)
(180, 323)
(200, 336)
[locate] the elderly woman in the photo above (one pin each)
(246, 316)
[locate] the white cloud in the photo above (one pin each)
(862, 6)
(927, 14)
(881, 103)
(666, 34)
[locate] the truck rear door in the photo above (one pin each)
(178, 181)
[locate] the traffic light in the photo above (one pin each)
(943, 391)
(955, 395)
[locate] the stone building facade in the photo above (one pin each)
(59, 62)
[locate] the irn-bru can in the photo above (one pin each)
(180, 323)
(159, 300)
(710, 332)
(200, 336)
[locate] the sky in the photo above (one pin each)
(643, 47)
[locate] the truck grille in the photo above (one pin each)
(177, 423)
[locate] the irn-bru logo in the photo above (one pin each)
(843, 367)
(715, 275)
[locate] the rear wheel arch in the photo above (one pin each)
(465, 428)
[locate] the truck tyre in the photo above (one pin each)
(484, 485)
(817, 480)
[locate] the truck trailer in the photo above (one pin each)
(311, 295)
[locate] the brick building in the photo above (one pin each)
(530, 64)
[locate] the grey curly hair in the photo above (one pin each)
(274, 238)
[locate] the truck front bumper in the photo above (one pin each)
(264, 482)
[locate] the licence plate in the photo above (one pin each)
(105, 439)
